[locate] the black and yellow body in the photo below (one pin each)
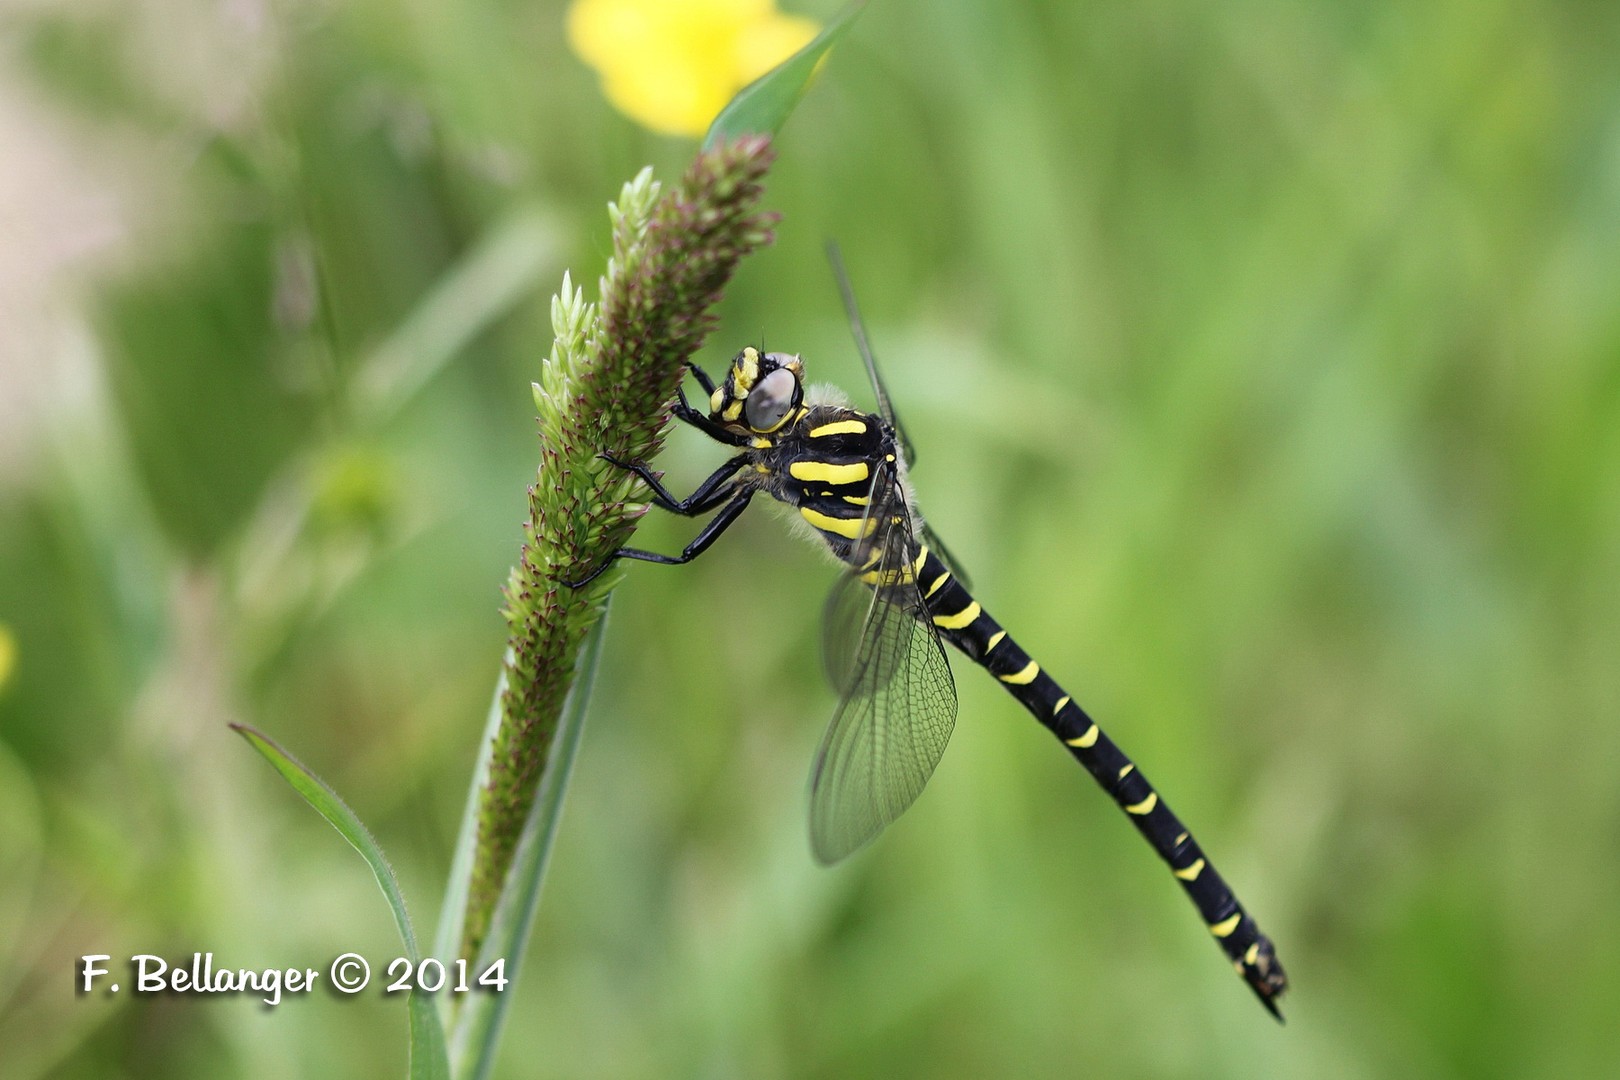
(968, 627)
(845, 473)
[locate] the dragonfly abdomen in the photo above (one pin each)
(966, 625)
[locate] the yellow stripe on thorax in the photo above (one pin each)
(839, 427)
(850, 527)
(829, 473)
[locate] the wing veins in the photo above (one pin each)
(898, 703)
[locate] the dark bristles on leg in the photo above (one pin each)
(718, 489)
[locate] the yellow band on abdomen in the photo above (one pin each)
(962, 618)
(1191, 872)
(1145, 805)
(1086, 739)
(1026, 674)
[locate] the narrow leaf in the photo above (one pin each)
(763, 106)
(428, 1055)
(476, 1031)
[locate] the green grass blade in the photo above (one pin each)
(477, 1028)
(428, 1055)
(763, 106)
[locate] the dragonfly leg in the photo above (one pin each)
(685, 413)
(709, 494)
(701, 376)
(700, 543)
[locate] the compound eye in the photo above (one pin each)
(768, 404)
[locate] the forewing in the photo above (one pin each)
(897, 706)
(844, 617)
(857, 328)
(843, 622)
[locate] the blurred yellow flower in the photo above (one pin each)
(8, 654)
(672, 65)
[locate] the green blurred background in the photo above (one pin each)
(1264, 364)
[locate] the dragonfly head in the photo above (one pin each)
(760, 393)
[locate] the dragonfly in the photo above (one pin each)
(901, 598)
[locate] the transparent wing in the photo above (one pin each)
(845, 613)
(857, 328)
(898, 700)
(880, 390)
(849, 604)
(841, 621)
